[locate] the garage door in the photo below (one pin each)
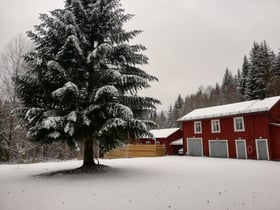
(218, 148)
(241, 151)
(262, 149)
(194, 146)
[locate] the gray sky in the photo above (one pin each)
(190, 42)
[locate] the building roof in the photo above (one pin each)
(163, 133)
(232, 109)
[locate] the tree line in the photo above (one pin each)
(257, 78)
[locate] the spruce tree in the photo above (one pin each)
(273, 88)
(84, 77)
(229, 88)
(177, 110)
(244, 76)
(261, 58)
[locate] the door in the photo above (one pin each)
(241, 151)
(194, 147)
(262, 149)
(218, 148)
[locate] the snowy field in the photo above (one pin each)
(144, 183)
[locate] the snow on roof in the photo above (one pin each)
(163, 133)
(232, 109)
(177, 142)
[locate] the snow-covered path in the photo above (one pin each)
(144, 183)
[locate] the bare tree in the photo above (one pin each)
(11, 64)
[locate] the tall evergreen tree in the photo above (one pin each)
(273, 88)
(177, 110)
(261, 58)
(170, 118)
(229, 88)
(244, 76)
(84, 77)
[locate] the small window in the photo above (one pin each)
(148, 142)
(238, 124)
(215, 126)
(157, 142)
(197, 127)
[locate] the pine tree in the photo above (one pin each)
(162, 120)
(84, 78)
(261, 58)
(230, 92)
(170, 118)
(273, 88)
(244, 76)
(177, 110)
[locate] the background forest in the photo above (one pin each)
(257, 78)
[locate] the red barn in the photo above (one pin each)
(170, 137)
(249, 129)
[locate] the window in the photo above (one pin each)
(148, 142)
(197, 127)
(215, 126)
(238, 124)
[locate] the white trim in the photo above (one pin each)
(267, 151)
(201, 140)
(212, 126)
(209, 143)
(234, 124)
(194, 127)
(236, 149)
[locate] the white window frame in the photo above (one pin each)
(236, 149)
(267, 150)
(200, 125)
(212, 126)
(235, 125)
(148, 142)
(210, 155)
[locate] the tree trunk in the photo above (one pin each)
(88, 153)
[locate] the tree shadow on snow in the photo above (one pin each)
(98, 169)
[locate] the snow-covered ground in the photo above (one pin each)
(144, 183)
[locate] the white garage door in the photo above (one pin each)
(194, 146)
(218, 148)
(241, 151)
(262, 149)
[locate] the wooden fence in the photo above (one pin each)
(137, 150)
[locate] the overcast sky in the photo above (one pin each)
(190, 42)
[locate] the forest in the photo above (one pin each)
(257, 78)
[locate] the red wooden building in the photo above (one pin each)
(170, 137)
(249, 129)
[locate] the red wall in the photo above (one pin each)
(256, 126)
(274, 118)
(275, 141)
